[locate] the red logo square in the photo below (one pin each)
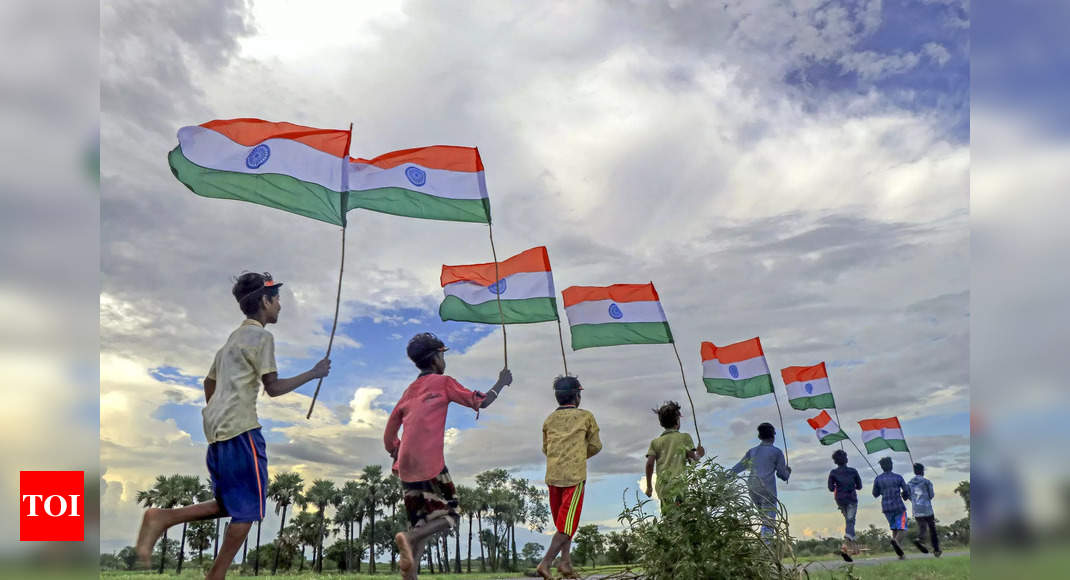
(51, 506)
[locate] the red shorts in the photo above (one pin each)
(566, 503)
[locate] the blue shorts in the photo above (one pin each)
(238, 467)
(897, 520)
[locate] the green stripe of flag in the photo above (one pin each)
(834, 437)
(822, 401)
(404, 202)
(516, 311)
(878, 443)
(743, 389)
(270, 189)
(614, 333)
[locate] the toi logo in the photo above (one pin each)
(51, 506)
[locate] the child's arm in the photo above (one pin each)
(209, 389)
(594, 444)
(858, 481)
(504, 378)
(742, 464)
(274, 386)
(650, 459)
(390, 434)
(929, 488)
(832, 482)
(696, 454)
(782, 469)
(876, 490)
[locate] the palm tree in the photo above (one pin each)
(321, 494)
(306, 528)
(189, 489)
(469, 504)
(353, 507)
(347, 513)
(285, 490)
(200, 539)
(372, 478)
(392, 495)
(963, 489)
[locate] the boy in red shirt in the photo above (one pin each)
(430, 497)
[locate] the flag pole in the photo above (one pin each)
(686, 390)
(837, 412)
(909, 454)
(783, 433)
(342, 266)
(561, 340)
(859, 451)
(498, 294)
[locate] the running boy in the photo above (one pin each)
(669, 453)
(892, 490)
(237, 458)
(430, 497)
(569, 439)
(765, 462)
(845, 482)
(921, 501)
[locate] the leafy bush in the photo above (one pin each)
(713, 533)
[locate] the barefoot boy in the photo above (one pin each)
(764, 461)
(669, 453)
(569, 439)
(845, 482)
(890, 487)
(237, 459)
(430, 497)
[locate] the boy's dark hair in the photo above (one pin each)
(766, 431)
(886, 463)
(919, 469)
(839, 457)
(422, 348)
(249, 287)
(567, 390)
(668, 414)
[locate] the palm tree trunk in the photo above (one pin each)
(371, 540)
(163, 551)
(512, 534)
(430, 560)
(244, 551)
(495, 552)
(446, 551)
(393, 547)
(319, 541)
(256, 559)
(215, 547)
(482, 560)
(301, 568)
(275, 566)
(181, 549)
(469, 566)
(457, 554)
(438, 554)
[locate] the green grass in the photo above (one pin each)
(947, 568)
(109, 575)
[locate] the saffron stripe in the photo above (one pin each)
(259, 486)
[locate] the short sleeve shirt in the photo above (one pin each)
(569, 438)
(670, 453)
(248, 355)
(422, 413)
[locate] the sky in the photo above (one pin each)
(797, 171)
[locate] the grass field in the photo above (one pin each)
(947, 568)
(110, 575)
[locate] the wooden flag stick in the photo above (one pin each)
(561, 340)
(783, 433)
(498, 295)
(686, 390)
(860, 452)
(341, 269)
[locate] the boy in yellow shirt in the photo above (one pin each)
(569, 439)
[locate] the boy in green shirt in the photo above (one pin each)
(669, 452)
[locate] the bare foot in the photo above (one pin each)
(405, 563)
(151, 530)
(544, 571)
(567, 572)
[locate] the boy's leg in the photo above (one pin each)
(156, 520)
(232, 541)
(571, 508)
(932, 535)
(556, 544)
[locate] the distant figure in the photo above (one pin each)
(569, 439)
(845, 482)
(892, 490)
(669, 453)
(764, 461)
(921, 501)
(429, 495)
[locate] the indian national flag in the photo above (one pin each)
(827, 431)
(308, 171)
(808, 387)
(736, 370)
(617, 314)
(526, 289)
(880, 434)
